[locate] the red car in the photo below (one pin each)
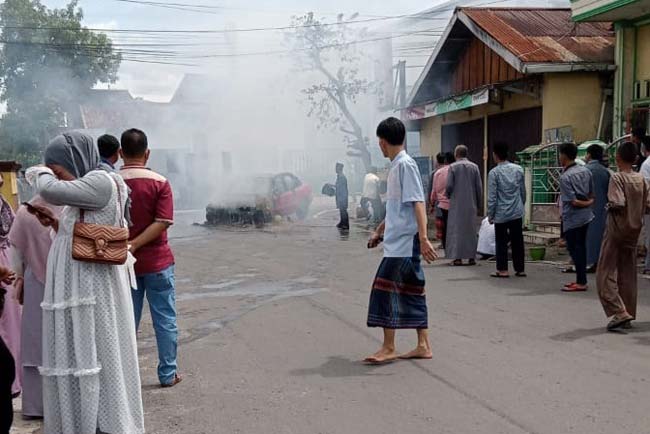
(258, 199)
(290, 196)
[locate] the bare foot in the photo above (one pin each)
(384, 355)
(418, 353)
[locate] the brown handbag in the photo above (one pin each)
(100, 244)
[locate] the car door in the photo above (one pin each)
(282, 197)
(292, 200)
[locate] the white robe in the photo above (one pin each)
(91, 378)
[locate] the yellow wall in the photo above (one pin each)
(572, 99)
(643, 53)
(9, 189)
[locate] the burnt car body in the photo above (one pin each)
(257, 199)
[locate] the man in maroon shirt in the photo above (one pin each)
(152, 213)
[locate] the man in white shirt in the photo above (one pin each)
(370, 195)
(645, 171)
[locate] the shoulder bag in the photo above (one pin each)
(101, 244)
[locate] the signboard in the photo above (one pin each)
(449, 105)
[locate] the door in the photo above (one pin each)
(470, 134)
(519, 129)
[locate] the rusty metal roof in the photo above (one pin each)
(546, 35)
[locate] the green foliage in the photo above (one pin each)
(47, 60)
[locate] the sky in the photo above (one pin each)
(158, 82)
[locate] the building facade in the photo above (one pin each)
(631, 20)
(523, 76)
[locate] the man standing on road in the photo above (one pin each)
(637, 136)
(465, 192)
(645, 172)
(576, 196)
(506, 199)
(628, 202)
(600, 175)
(439, 195)
(342, 197)
(109, 151)
(397, 300)
(371, 194)
(152, 213)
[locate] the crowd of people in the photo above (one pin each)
(602, 215)
(69, 323)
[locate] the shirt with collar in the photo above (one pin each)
(575, 184)
(506, 192)
(151, 201)
(404, 189)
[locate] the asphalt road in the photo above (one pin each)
(273, 328)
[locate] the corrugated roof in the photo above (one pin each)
(546, 35)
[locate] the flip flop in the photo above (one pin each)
(573, 287)
(500, 276)
(615, 324)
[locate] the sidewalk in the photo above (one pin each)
(21, 426)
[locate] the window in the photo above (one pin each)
(291, 182)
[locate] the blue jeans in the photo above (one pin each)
(161, 295)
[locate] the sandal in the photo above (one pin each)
(574, 287)
(499, 275)
(569, 270)
(617, 323)
(472, 262)
(177, 379)
(456, 263)
(521, 274)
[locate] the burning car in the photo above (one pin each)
(255, 200)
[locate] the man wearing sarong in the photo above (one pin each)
(465, 193)
(576, 197)
(600, 175)
(616, 276)
(397, 300)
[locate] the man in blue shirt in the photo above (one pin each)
(397, 300)
(506, 199)
(109, 151)
(576, 197)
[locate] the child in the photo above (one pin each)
(616, 274)
(397, 300)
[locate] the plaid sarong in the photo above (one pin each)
(397, 300)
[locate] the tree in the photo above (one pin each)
(331, 51)
(47, 60)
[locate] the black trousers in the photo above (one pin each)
(445, 219)
(510, 232)
(345, 219)
(576, 244)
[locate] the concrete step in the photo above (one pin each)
(540, 238)
(549, 228)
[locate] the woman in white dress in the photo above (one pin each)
(91, 379)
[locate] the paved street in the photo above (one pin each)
(273, 328)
